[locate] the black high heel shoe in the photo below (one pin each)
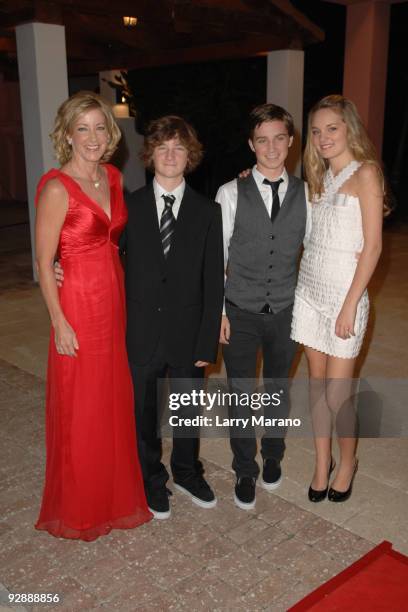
(341, 496)
(317, 496)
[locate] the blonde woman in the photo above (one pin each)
(93, 478)
(331, 304)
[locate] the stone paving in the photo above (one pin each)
(219, 559)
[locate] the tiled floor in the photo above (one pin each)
(221, 559)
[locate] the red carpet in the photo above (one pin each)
(376, 582)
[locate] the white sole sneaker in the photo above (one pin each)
(161, 516)
(243, 505)
(196, 500)
(271, 486)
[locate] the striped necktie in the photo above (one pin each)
(167, 222)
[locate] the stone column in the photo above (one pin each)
(285, 74)
(42, 66)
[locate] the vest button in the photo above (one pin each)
(273, 237)
(270, 266)
(267, 293)
(159, 309)
(271, 252)
(269, 280)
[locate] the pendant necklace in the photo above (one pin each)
(96, 183)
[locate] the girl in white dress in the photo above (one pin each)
(331, 305)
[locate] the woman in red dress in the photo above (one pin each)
(93, 479)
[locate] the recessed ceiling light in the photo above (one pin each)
(129, 22)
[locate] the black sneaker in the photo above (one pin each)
(199, 491)
(244, 496)
(271, 474)
(158, 503)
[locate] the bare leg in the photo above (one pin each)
(339, 396)
(321, 416)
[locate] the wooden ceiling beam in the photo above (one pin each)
(244, 7)
(14, 6)
(218, 17)
(105, 30)
(42, 11)
(254, 45)
(48, 12)
(311, 29)
(140, 9)
(168, 32)
(251, 46)
(9, 20)
(182, 18)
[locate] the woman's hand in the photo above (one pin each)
(59, 274)
(345, 321)
(66, 341)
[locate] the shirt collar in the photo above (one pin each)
(259, 177)
(178, 192)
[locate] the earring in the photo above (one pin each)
(69, 140)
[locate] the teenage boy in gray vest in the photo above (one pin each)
(264, 222)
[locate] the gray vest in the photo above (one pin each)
(263, 256)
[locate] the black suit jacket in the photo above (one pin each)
(178, 299)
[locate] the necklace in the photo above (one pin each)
(95, 182)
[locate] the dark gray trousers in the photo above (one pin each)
(249, 333)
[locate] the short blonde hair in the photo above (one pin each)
(69, 112)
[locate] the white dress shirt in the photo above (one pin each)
(178, 193)
(227, 197)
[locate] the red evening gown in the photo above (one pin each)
(93, 479)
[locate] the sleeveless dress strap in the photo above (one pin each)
(113, 171)
(333, 183)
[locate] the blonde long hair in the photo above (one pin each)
(358, 142)
(69, 112)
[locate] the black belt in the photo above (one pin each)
(265, 310)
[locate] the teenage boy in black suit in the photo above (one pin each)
(174, 289)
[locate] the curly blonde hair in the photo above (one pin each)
(69, 112)
(358, 142)
(167, 128)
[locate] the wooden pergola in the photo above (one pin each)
(167, 31)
